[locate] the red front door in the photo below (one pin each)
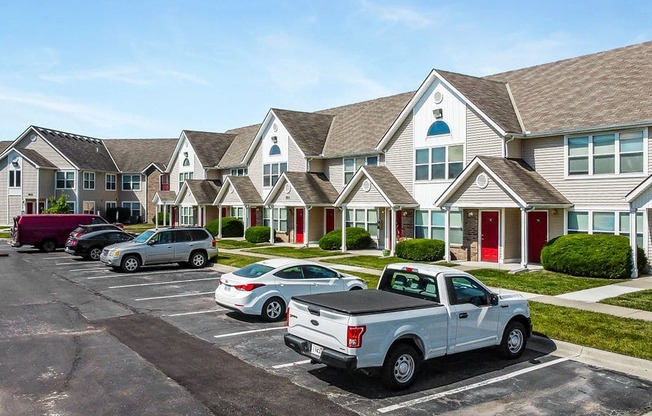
(489, 238)
(30, 207)
(330, 220)
(299, 222)
(537, 226)
(252, 217)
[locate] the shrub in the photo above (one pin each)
(420, 249)
(163, 217)
(595, 255)
(123, 214)
(257, 234)
(641, 261)
(356, 239)
(231, 227)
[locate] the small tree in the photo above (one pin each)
(58, 205)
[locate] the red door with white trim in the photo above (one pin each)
(252, 217)
(299, 225)
(537, 226)
(489, 238)
(330, 220)
(30, 207)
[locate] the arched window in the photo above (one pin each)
(438, 127)
(186, 162)
(275, 150)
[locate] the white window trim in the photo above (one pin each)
(429, 164)
(615, 212)
(276, 224)
(115, 182)
(429, 225)
(184, 215)
(131, 210)
(84, 180)
(590, 155)
(106, 205)
(65, 172)
(356, 166)
(131, 181)
(89, 202)
(271, 185)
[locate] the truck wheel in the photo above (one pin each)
(94, 253)
(514, 339)
(401, 367)
(130, 264)
(273, 309)
(198, 260)
(48, 246)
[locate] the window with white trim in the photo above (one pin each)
(71, 205)
(604, 222)
(238, 212)
(134, 207)
(438, 163)
(89, 180)
(15, 175)
(238, 172)
(187, 215)
(110, 204)
(131, 182)
(351, 165)
(110, 182)
(65, 180)
(272, 171)
(432, 224)
(363, 218)
(605, 153)
(88, 207)
(183, 177)
(280, 222)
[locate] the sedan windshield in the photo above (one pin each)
(144, 236)
(253, 270)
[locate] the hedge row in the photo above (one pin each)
(257, 234)
(356, 239)
(421, 249)
(231, 227)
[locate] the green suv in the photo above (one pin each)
(191, 245)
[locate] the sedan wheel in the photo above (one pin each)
(94, 253)
(273, 309)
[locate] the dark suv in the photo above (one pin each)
(191, 245)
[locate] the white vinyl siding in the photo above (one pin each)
(481, 139)
(399, 158)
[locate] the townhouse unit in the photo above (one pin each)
(44, 163)
(494, 166)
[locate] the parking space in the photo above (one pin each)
(476, 382)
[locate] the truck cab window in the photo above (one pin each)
(463, 290)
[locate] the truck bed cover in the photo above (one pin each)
(361, 302)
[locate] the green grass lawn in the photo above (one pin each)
(541, 282)
(370, 279)
(295, 253)
(4, 234)
(237, 244)
(369, 262)
(236, 260)
(637, 300)
(138, 228)
(597, 330)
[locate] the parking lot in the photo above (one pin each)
(477, 382)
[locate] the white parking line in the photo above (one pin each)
(196, 312)
(470, 386)
(53, 258)
(66, 263)
(145, 273)
(88, 269)
(163, 283)
(183, 295)
(233, 334)
(291, 364)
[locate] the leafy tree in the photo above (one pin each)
(58, 205)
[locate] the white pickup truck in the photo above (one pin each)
(419, 311)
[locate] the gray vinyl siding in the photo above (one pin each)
(296, 160)
(334, 169)
(46, 183)
(29, 179)
(371, 198)
(198, 170)
(318, 165)
(15, 203)
(481, 139)
(515, 148)
(188, 199)
(231, 198)
(555, 223)
(4, 182)
(256, 169)
(45, 150)
(288, 199)
(469, 194)
(399, 158)
(316, 223)
(547, 157)
(512, 227)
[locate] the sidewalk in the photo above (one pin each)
(584, 299)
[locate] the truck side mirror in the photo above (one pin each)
(493, 299)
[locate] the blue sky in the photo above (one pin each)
(130, 68)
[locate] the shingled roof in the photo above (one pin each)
(204, 190)
(609, 88)
(309, 130)
(389, 185)
(246, 190)
(313, 188)
(244, 136)
(84, 152)
(36, 158)
(358, 127)
(4, 144)
(209, 147)
(135, 155)
(491, 97)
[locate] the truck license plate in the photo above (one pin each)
(316, 350)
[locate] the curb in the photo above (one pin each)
(592, 356)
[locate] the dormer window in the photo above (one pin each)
(274, 150)
(438, 127)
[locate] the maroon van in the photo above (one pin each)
(48, 231)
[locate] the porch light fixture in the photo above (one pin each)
(438, 113)
(554, 211)
(274, 139)
(185, 154)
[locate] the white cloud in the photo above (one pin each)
(397, 14)
(133, 75)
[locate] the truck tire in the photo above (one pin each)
(198, 259)
(273, 309)
(130, 263)
(401, 367)
(514, 340)
(48, 246)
